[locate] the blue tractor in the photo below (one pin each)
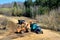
(36, 28)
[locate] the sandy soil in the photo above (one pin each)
(47, 34)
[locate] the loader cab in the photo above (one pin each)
(21, 21)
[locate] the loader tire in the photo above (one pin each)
(22, 32)
(41, 32)
(27, 30)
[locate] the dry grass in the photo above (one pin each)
(51, 21)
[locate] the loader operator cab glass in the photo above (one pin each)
(24, 22)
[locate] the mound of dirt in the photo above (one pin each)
(7, 26)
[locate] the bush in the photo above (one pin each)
(51, 21)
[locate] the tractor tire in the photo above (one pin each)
(41, 32)
(27, 30)
(37, 32)
(22, 32)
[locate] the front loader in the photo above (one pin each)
(22, 28)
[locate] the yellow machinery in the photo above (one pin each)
(23, 27)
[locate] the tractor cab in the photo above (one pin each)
(21, 21)
(22, 27)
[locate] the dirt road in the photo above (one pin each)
(47, 35)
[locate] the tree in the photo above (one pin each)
(41, 6)
(28, 4)
(16, 10)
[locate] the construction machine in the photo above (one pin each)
(22, 27)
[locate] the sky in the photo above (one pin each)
(9, 1)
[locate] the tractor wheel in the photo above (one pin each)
(37, 32)
(41, 32)
(22, 32)
(27, 30)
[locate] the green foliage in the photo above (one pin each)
(5, 11)
(15, 4)
(37, 2)
(16, 11)
(40, 10)
(28, 4)
(28, 12)
(44, 6)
